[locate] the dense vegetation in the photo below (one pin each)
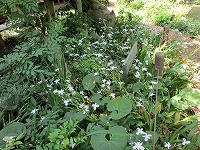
(62, 87)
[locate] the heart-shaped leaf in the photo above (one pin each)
(178, 103)
(120, 107)
(191, 95)
(89, 81)
(185, 98)
(97, 98)
(113, 139)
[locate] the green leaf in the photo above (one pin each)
(97, 98)
(191, 95)
(179, 103)
(74, 116)
(111, 140)
(13, 129)
(65, 142)
(185, 98)
(198, 140)
(38, 147)
(120, 107)
(137, 87)
(89, 81)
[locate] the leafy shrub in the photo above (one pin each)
(187, 25)
(162, 19)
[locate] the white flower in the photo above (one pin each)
(86, 97)
(108, 82)
(81, 92)
(149, 74)
(146, 137)
(55, 91)
(144, 69)
(49, 85)
(138, 146)
(96, 74)
(57, 69)
(34, 111)
(140, 131)
(185, 142)
(139, 104)
(150, 87)
(151, 94)
(61, 92)
(56, 81)
(103, 85)
(66, 102)
(42, 118)
(121, 71)
(112, 95)
(154, 82)
(120, 83)
(32, 86)
(137, 74)
(113, 67)
(86, 109)
(95, 106)
(167, 145)
(40, 82)
(103, 80)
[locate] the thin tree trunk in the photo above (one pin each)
(50, 9)
(79, 6)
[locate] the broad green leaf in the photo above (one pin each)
(13, 129)
(72, 115)
(137, 87)
(89, 81)
(185, 98)
(179, 103)
(115, 139)
(191, 95)
(97, 98)
(198, 140)
(120, 107)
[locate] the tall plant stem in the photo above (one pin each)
(155, 115)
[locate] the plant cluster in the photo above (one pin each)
(160, 12)
(69, 93)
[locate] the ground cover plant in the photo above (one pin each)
(65, 89)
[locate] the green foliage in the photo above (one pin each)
(112, 139)
(89, 81)
(186, 97)
(12, 130)
(120, 108)
(62, 137)
(187, 25)
(78, 99)
(162, 18)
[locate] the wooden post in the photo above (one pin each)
(128, 61)
(79, 6)
(159, 64)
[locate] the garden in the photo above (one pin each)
(63, 84)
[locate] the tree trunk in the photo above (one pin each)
(2, 45)
(79, 6)
(50, 9)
